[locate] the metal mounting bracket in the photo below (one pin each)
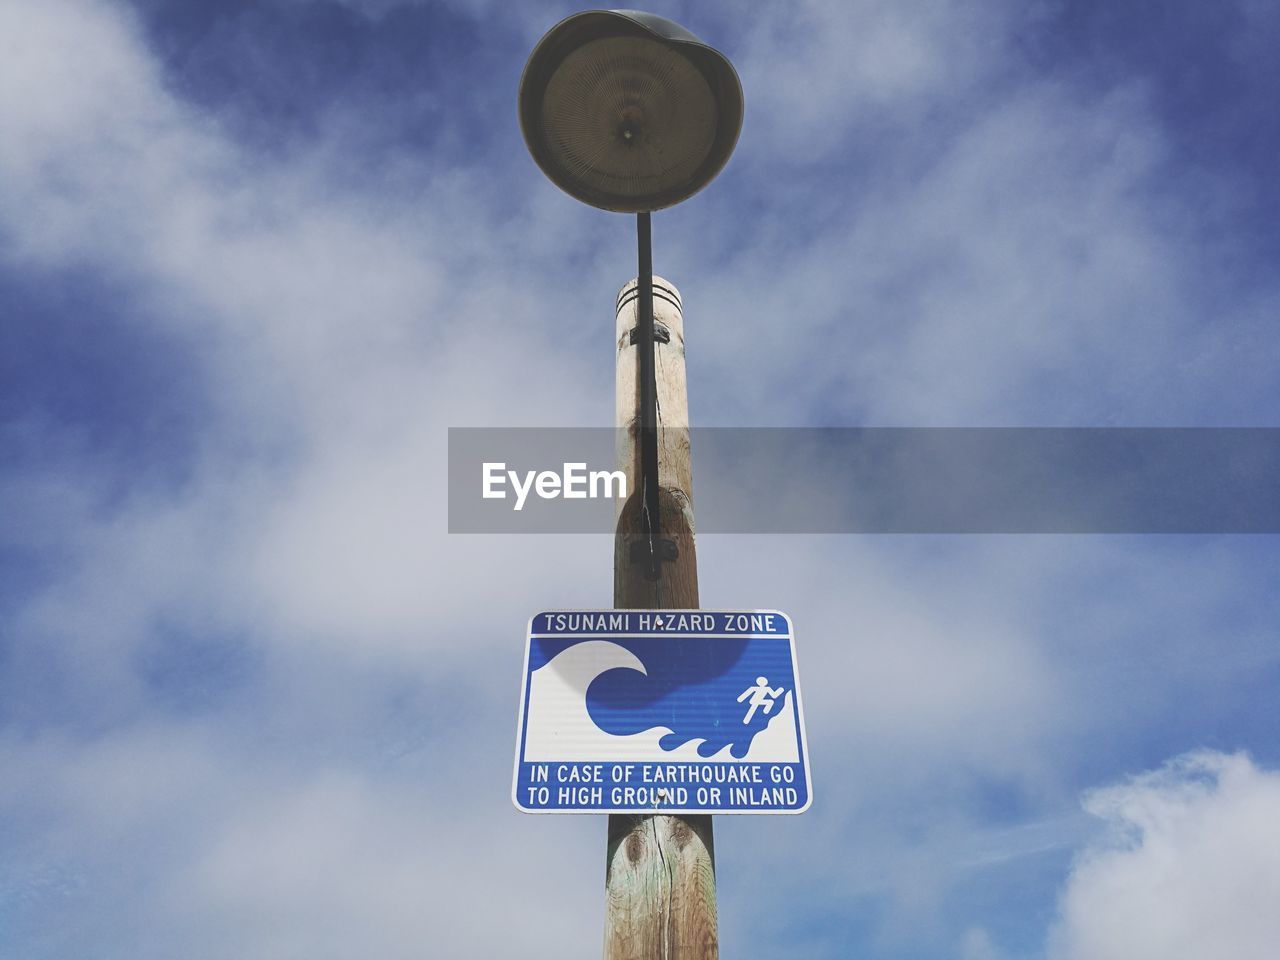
(660, 334)
(662, 549)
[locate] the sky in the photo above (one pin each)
(257, 256)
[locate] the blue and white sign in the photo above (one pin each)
(678, 711)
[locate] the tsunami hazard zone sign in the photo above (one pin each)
(673, 711)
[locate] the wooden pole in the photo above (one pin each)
(660, 885)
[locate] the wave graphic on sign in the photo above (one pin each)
(559, 726)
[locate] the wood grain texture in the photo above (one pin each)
(677, 588)
(660, 887)
(675, 466)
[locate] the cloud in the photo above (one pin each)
(977, 945)
(293, 692)
(1189, 870)
(817, 73)
(168, 840)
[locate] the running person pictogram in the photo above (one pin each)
(761, 696)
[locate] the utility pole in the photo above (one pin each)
(630, 112)
(660, 881)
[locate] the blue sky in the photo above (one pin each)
(257, 256)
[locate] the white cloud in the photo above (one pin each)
(340, 336)
(341, 330)
(814, 72)
(977, 945)
(1027, 267)
(1190, 869)
(171, 840)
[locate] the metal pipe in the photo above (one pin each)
(648, 392)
